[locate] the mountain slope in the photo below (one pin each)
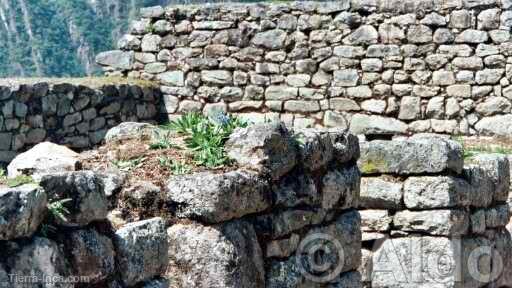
(61, 37)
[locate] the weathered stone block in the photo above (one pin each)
(226, 255)
(141, 250)
(414, 156)
(85, 190)
(214, 198)
(435, 222)
(428, 192)
(266, 147)
(22, 209)
(381, 193)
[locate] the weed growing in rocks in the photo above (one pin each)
(127, 165)
(176, 167)
(58, 210)
(206, 137)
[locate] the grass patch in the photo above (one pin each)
(474, 147)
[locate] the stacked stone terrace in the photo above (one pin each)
(377, 67)
(426, 216)
(249, 226)
(252, 222)
(75, 112)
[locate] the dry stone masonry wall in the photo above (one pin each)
(69, 112)
(378, 67)
(250, 226)
(427, 219)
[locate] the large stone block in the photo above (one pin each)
(90, 254)
(225, 255)
(214, 198)
(427, 192)
(375, 220)
(340, 188)
(452, 222)
(141, 250)
(85, 191)
(381, 193)
(40, 260)
(266, 147)
(497, 168)
(22, 209)
(371, 124)
(116, 59)
(412, 156)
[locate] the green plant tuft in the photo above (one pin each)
(176, 167)
(128, 165)
(206, 137)
(162, 141)
(58, 210)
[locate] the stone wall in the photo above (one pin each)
(427, 219)
(251, 225)
(378, 67)
(75, 112)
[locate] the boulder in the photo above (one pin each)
(224, 255)
(130, 130)
(214, 198)
(42, 159)
(411, 156)
(22, 209)
(85, 191)
(141, 250)
(265, 147)
(90, 254)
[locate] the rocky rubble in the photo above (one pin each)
(417, 208)
(375, 67)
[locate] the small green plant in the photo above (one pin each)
(58, 210)
(161, 141)
(206, 137)
(176, 167)
(3, 176)
(19, 180)
(184, 124)
(128, 165)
